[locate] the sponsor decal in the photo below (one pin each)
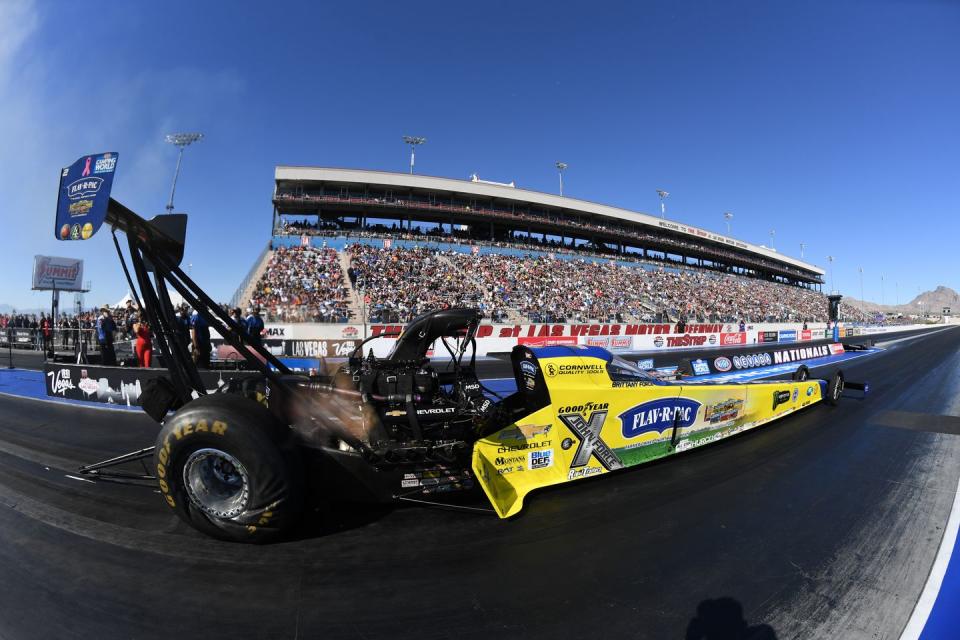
(437, 411)
(658, 415)
(104, 164)
(722, 411)
(722, 364)
(524, 431)
(84, 188)
(86, 231)
(585, 408)
(796, 393)
(623, 342)
(631, 384)
(509, 448)
(566, 443)
(528, 368)
(788, 336)
(712, 339)
(646, 364)
(835, 348)
(501, 461)
(540, 459)
(700, 367)
(572, 369)
(80, 207)
(806, 334)
(809, 391)
(767, 336)
(779, 397)
(587, 430)
(752, 360)
(658, 341)
(350, 332)
(733, 338)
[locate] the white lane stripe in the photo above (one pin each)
(79, 478)
(931, 590)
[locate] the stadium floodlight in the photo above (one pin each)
(832, 282)
(663, 206)
(882, 296)
(803, 245)
(413, 141)
(773, 235)
(180, 140)
(728, 216)
(560, 168)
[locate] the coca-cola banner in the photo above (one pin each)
(62, 274)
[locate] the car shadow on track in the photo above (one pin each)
(722, 619)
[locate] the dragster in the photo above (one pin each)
(244, 462)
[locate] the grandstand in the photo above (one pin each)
(410, 243)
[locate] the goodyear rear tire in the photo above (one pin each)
(835, 388)
(801, 374)
(229, 469)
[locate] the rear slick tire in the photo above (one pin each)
(229, 469)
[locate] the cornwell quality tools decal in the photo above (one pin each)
(586, 426)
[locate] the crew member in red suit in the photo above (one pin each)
(144, 346)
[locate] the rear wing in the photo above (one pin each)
(84, 204)
(156, 246)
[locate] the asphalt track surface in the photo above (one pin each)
(824, 524)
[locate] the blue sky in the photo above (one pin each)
(834, 123)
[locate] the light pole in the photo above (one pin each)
(897, 287)
(863, 308)
(882, 297)
(832, 281)
(561, 166)
(773, 235)
(728, 217)
(413, 141)
(663, 205)
(803, 245)
(180, 140)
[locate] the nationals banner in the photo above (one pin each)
(62, 274)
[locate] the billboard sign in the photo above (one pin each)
(84, 196)
(62, 274)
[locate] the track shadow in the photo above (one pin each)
(722, 619)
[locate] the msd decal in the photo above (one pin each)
(723, 364)
(658, 415)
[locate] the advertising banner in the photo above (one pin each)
(732, 339)
(62, 274)
(767, 336)
(788, 336)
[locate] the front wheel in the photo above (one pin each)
(835, 388)
(229, 469)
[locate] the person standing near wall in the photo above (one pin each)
(144, 344)
(105, 330)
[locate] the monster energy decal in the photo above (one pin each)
(591, 444)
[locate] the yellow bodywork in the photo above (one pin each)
(594, 425)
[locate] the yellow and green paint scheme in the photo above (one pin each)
(603, 416)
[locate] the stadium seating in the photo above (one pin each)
(396, 284)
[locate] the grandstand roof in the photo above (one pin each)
(364, 177)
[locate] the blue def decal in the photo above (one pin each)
(700, 367)
(658, 416)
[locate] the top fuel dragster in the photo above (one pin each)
(241, 463)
